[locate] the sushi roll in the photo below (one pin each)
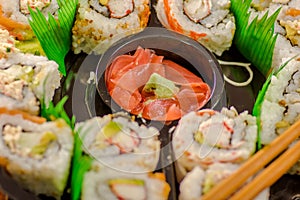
(207, 21)
(280, 107)
(117, 141)
(99, 24)
(205, 137)
(14, 15)
(286, 26)
(27, 80)
(200, 181)
(37, 154)
(107, 184)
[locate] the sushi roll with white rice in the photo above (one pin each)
(41, 74)
(25, 79)
(286, 26)
(15, 15)
(37, 154)
(205, 137)
(104, 183)
(280, 107)
(200, 181)
(207, 21)
(117, 141)
(101, 23)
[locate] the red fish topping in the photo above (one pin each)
(177, 91)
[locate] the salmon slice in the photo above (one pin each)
(127, 75)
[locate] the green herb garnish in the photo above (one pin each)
(55, 35)
(256, 39)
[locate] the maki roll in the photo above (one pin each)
(27, 80)
(37, 154)
(14, 15)
(207, 21)
(286, 26)
(117, 141)
(99, 24)
(206, 137)
(105, 183)
(280, 107)
(200, 181)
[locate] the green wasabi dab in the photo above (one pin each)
(160, 86)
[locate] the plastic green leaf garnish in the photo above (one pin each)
(81, 164)
(260, 98)
(57, 111)
(55, 35)
(255, 40)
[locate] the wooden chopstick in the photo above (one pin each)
(269, 175)
(228, 186)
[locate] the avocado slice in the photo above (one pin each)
(199, 137)
(111, 129)
(32, 46)
(41, 147)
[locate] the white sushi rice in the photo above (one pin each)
(43, 175)
(93, 31)
(28, 104)
(145, 154)
(219, 26)
(203, 139)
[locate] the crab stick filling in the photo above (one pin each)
(113, 135)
